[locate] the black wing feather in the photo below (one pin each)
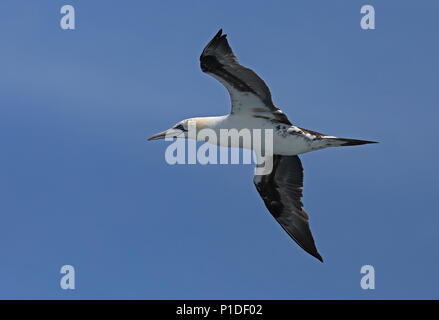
(281, 191)
(218, 59)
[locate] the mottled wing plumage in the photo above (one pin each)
(248, 92)
(281, 191)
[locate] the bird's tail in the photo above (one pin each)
(341, 142)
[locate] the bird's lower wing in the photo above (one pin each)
(281, 191)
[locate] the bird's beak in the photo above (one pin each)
(157, 136)
(165, 134)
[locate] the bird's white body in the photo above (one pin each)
(287, 140)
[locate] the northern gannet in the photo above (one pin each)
(252, 108)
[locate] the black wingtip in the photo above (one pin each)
(316, 255)
(312, 251)
(319, 257)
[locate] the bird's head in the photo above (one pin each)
(179, 130)
(187, 128)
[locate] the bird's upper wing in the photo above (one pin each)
(281, 191)
(248, 92)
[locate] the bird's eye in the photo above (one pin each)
(180, 127)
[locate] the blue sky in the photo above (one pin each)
(80, 186)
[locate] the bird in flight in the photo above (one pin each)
(253, 108)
